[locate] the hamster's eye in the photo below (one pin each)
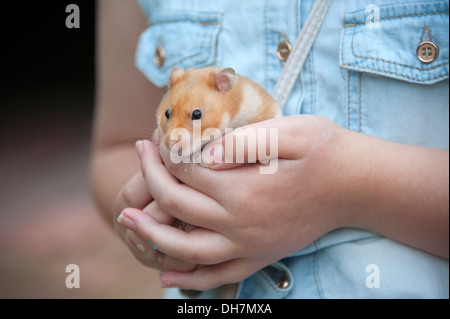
(196, 115)
(167, 114)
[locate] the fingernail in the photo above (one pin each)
(139, 147)
(127, 222)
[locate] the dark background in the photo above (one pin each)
(39, 53)
(48, 70)
(47, 218)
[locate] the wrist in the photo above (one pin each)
(355, 171)
(396, 190)
(400, 192)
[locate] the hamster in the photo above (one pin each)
(217, 97)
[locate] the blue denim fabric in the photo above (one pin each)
(367, 79)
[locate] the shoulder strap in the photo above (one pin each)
(300, 52)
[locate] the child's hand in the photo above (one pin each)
(247, 220)
(135, 194)
(327, 177)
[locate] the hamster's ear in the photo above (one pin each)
(176, 75)
(224, 79)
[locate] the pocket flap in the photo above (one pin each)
(384, 40)
(186, 39)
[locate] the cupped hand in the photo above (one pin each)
(135, 194)
(247, 219)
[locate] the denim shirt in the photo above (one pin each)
(364, 73)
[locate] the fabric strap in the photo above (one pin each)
(300, 52)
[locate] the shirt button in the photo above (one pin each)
(160, 56)
(427, 52)
(283, 51)
(283, 283)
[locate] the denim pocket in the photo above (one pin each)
(187, 39)
(388, 46)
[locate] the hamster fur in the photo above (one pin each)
(218, 97)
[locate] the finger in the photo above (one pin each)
(169, 263)
(252, 143)
(144, 250)
(179, 200)
(150, 257)
(209, 277)
(200, 246)
(190, 172)
(154, 210)
(134, 194)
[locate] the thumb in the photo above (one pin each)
(252, 143)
